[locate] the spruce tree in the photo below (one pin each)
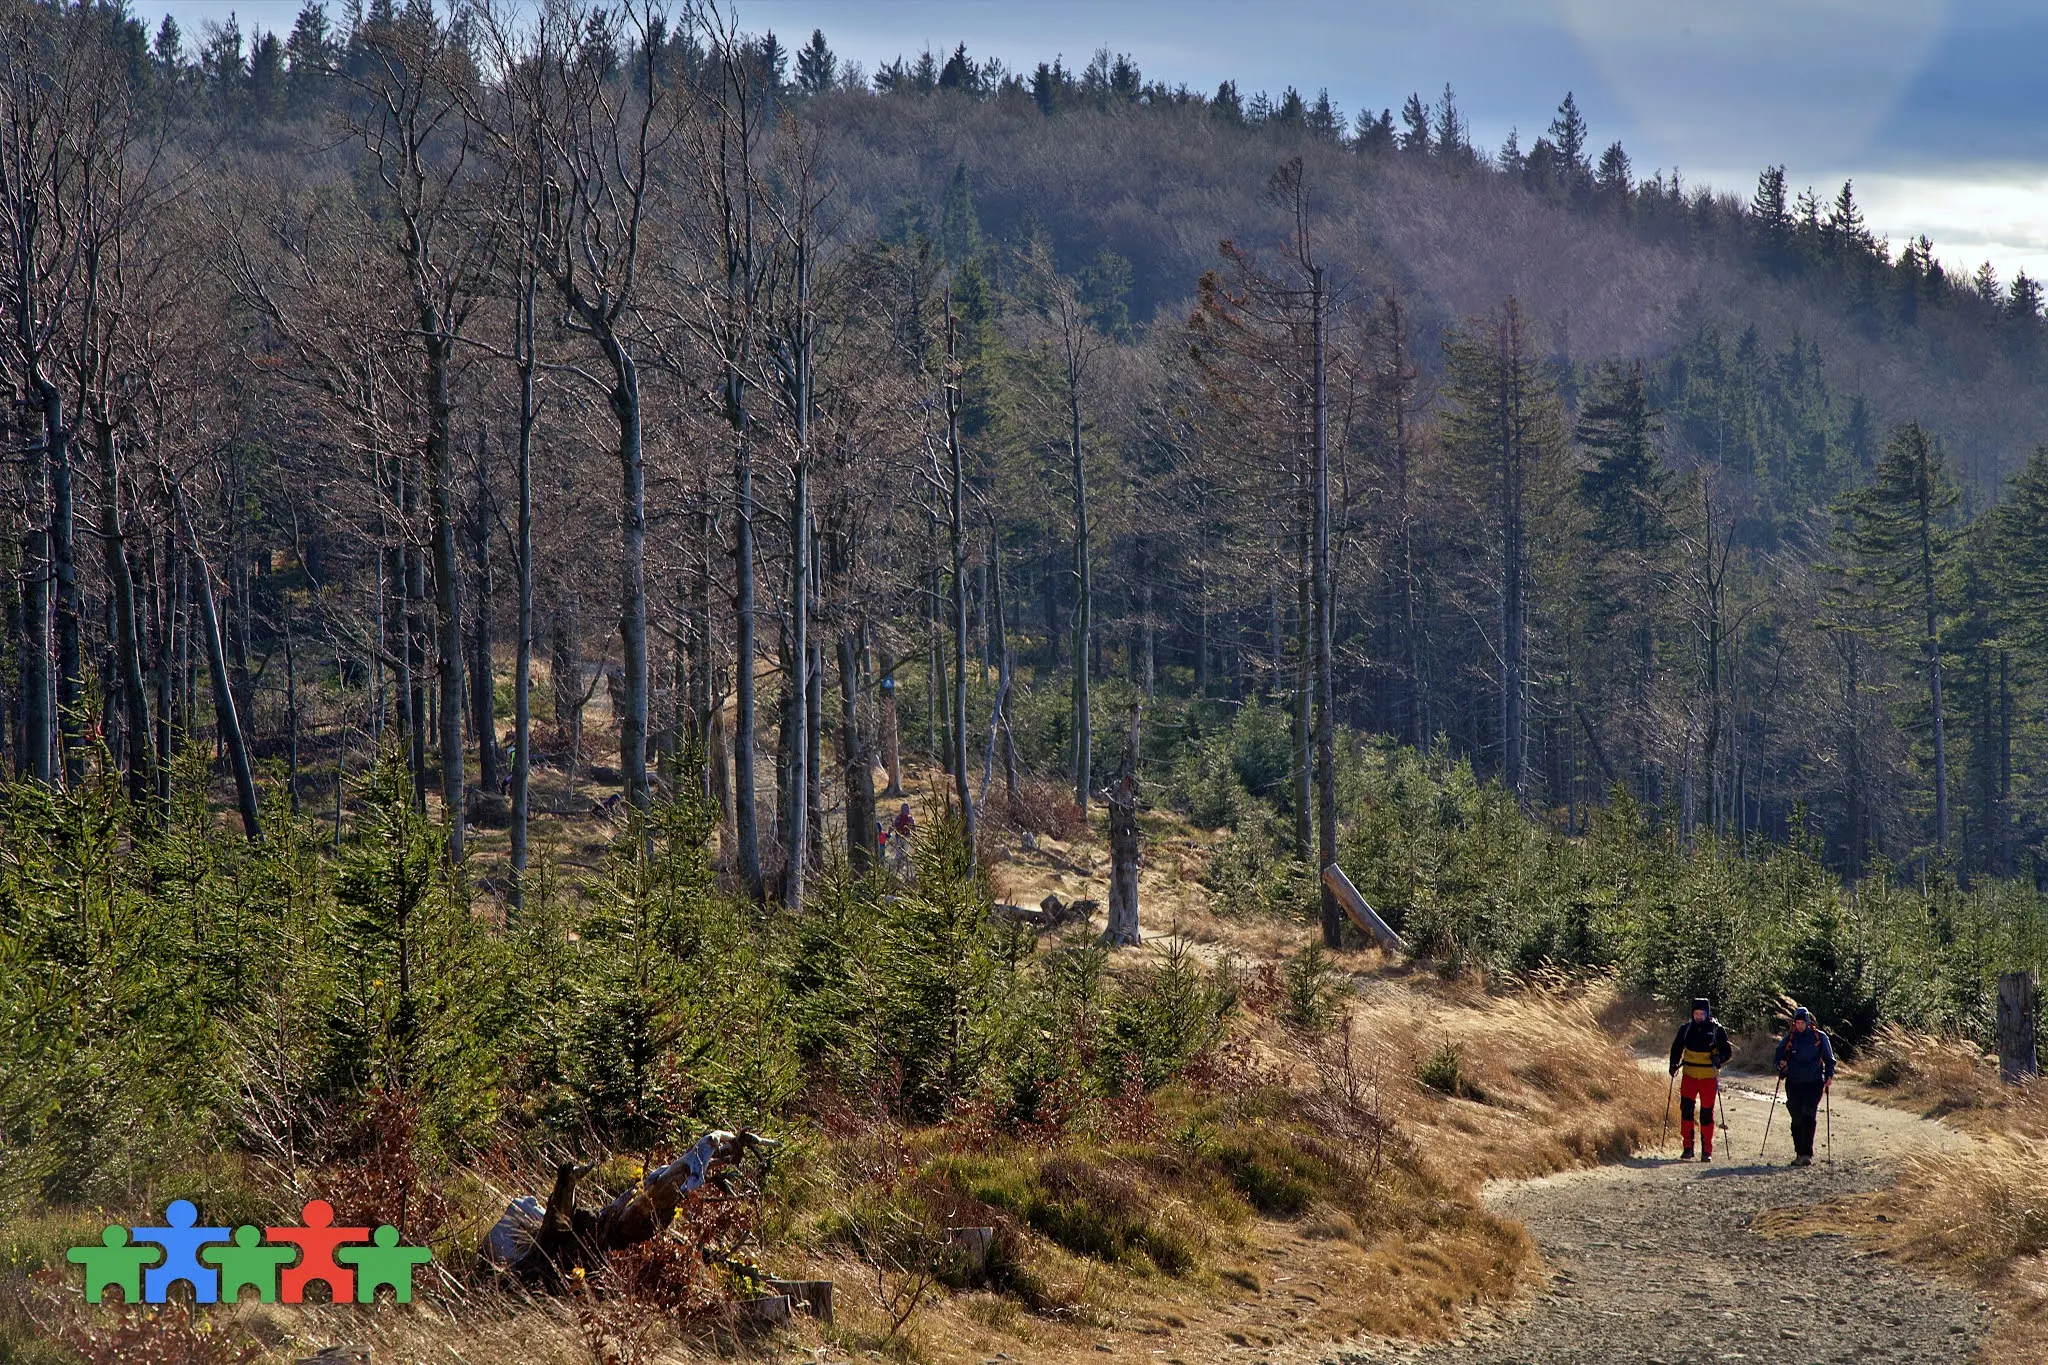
(1568, 133)
(817, 69)
(1419, 138)
(1506, 431)
(1897, 533)
(1227, 106)
(1770, 217)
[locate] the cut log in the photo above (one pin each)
(1361, 914)
(770, 1310)
(2018, 1005)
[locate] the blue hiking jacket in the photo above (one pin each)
(1806, 1058)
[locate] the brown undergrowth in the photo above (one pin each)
(1315, 1179)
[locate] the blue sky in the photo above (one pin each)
(1937, 108)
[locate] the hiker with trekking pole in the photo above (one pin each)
(1699, 1052)
(1806, 1064)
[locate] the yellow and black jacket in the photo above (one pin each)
(1700, 1049)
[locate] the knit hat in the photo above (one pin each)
(1700, 1002)
(1803, 1013)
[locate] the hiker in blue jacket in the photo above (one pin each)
(1806, 1059)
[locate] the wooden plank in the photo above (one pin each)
(1361, 914)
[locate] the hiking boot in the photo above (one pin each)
(1802, 1160)
(1686, 1155)
(1706, 1156)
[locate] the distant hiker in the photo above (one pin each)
(1806, 1059)
(1699, 1051)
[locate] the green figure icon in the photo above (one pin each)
(385, 1263)
(247, 1263)
(114, 1264)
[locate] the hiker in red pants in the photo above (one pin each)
(1700, 1051)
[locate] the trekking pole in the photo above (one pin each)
(1768, 1117)
(1664, 1126)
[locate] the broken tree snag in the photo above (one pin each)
(1361, 914)
(1122, 798)
(2018, 1007)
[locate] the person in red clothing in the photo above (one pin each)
(1700, 1050)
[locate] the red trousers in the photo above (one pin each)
(1704, 1089)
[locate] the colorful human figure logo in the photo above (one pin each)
(278, 1263)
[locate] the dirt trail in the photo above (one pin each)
(1656, 1261)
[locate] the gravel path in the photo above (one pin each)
(1654, 1261)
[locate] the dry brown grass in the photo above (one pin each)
(1549, 1089)
(1950, 1078)
(1979, 1212)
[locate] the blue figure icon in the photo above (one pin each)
(181, 1242)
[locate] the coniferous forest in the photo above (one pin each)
(502, 506)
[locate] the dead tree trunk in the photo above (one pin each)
(2018, 1009)
(64, 576)
(858, 757)
(1325, 611)
(999, 715)
(128, 634)
(483, 698)
(957, 538)
(1123, 846)
(892, 732)
(225, 714)
(522, 668)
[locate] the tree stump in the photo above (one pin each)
(968, 1248)
(809, 1296)
(2017, 1007)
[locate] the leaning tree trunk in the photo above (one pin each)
(1123, 846)
(225, 715)
(128, 635)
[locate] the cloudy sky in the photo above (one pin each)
(1936, 108)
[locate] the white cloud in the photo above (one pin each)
(1998, 215)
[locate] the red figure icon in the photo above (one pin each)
(316, 1242)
